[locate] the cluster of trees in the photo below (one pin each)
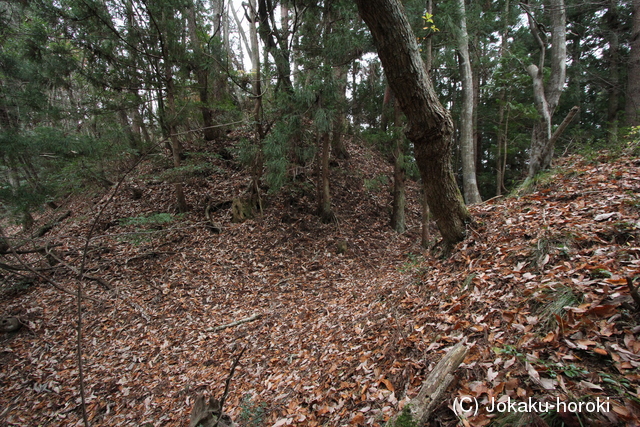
(86, 83)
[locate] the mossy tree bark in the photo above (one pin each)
(430, 127)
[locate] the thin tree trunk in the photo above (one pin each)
(503, 123)
(501, 156)
(387, 108)
(429, 47)
(467, 146)
(324, 196)
(398, 222)
(426, 215)
(202, 77)
(276, 45)
(425, 235)
(175, 143)
(430, 126)
(339, 123)
(613, 91)
(258, 161)
(632, 105)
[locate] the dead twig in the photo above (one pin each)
(100, 280)
(227, 383)
(236, 323)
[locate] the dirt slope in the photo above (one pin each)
(341, 338)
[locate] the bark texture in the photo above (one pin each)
(546, 97)
(467, 143)
(398, 222)
(430, 127)
(632, 105)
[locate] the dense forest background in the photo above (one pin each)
(88, 87)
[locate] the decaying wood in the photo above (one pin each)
(236, 323)
(209, 413)
(213, 226)
(4, 249)
(227, 386)
(10, 324)
(434, 387)
(205, 414)
(48, 226)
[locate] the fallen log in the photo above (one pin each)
(48, 226)
(420, 408)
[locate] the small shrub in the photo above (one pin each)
(558, 299)
(376, 183)
(151, 220)
(252, 414)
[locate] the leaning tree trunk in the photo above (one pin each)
(430, 126)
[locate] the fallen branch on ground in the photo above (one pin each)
(48, 226)
(100, 280)
(236, 323)
(434, 387)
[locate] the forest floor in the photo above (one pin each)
(538, 290)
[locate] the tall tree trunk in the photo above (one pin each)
(429, 47)
(324, 192)
(632, 105)
(503, 132)
(430, 126)
(258, 161)
(546, 98)
(275, 44)
(387, 108)
(202, 75)
(424, 203)
(613, 91)
(176, 149)
(503, 122)
(467, 145)
(339, 122)
(398, 222)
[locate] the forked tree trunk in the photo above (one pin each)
(546, 98)
(430, 126)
